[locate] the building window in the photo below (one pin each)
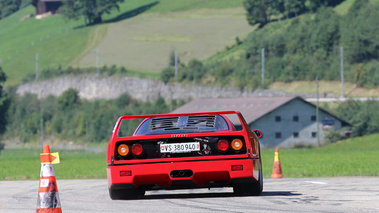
(295, 118)
(313, 118)
(278, 118)
(314, 134)
(295, 134)
(278, 134)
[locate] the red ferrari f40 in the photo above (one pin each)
(183, 151)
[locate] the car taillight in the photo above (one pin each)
(237, 144)
(123, 150)
(223, 145)
(137, 149)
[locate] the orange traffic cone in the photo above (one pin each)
(277, 170)
(48, 198)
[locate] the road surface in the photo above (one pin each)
(343, 194)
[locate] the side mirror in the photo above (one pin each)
(258, 133)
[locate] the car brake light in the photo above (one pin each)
(137, 149)
(123, 150)
(237, 167)
(237, 144)
(223, 145)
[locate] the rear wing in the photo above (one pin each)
(141, 118)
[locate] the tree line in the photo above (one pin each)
(310, 46)
(261, 11)
(70, 118)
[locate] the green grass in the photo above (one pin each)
(56, 42)
(353, 157)
(24, 164)
(165, 6)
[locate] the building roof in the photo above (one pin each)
(251, 108)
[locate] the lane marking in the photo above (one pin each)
(315, 182)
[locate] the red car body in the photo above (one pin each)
(181, 151)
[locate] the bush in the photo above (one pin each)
(332, 136)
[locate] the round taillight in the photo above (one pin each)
(137, 149)
(223, 145)
(237, 144)
(123, 150)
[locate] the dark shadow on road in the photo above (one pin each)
(184, 196)
(279, 193)
(212, 195)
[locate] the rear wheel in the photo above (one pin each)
(252, 188)
(125, 194)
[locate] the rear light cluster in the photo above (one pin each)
(124, 149)
(236, 145)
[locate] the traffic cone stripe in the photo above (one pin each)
(47, 170)
(47, 200)
(56, 210)
(48, 185)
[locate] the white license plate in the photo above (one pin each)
(180, 147)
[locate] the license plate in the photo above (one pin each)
(180, 147)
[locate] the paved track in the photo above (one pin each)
(352, 194)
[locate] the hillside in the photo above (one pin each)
(142, 34)
(60, 43)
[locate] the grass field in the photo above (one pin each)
(353, 157)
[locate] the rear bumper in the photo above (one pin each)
(207, 173)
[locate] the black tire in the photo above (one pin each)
(251, 188)
(258, 186)
(125, 194)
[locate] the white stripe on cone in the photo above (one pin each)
(47, 170)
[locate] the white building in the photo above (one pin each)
(284, 121)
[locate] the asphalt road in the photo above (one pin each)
(351, 194)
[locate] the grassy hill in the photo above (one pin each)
(60, 43)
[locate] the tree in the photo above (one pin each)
(325, 31)
(4, 105)
(293, 8)
(69, 99)
(360, 32)
(8, 7)
(256, 11)
(167, 74)
(313, 5)
(91, 10)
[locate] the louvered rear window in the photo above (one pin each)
(201, 121)
(164, 123)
